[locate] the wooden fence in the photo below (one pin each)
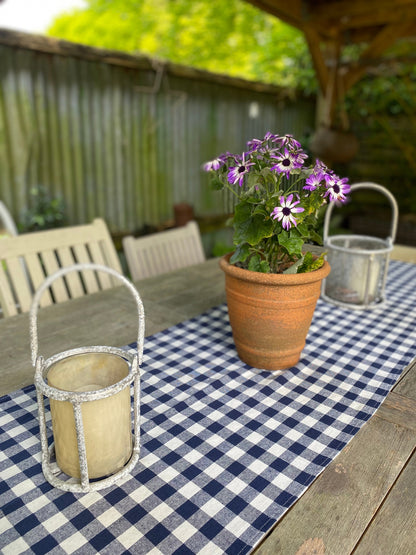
(124, 137)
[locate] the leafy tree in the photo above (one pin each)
(222, 36)
(225, 36)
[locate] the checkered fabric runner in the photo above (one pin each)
(226, 449)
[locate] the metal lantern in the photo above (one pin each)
(90, 404)
(359, 263)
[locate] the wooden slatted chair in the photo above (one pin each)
(27, 259)
(163, 252)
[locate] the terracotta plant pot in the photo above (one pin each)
(270, 314)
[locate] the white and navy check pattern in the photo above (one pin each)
(226, 449)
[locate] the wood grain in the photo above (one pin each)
(340, 504)
(399, 409)
(108, 318)
(406, 385)
(394, 526)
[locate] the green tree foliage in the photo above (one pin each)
(222, 36)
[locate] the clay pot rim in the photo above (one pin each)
(273, 279)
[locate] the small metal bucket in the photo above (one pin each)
(90, 403)
(359, 263)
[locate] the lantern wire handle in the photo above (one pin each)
(34, 344)
(354, 257)
(77, 398)
(373, 187)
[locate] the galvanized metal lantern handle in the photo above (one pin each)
(374, 187)
(34, 345)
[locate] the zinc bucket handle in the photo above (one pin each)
(34, 344)
(374, 187)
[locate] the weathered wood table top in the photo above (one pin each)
(362, 503)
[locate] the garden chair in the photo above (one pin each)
(6, 221)
(27, 259)
(163, 252)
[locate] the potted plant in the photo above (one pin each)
(272, 285)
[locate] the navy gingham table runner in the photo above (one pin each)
(226, 449)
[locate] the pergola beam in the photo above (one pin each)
(320, 66)
(289, 12)
(357, 13)
(381, 42)
(330, 25)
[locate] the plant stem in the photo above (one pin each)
(232, 190)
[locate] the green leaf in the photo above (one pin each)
(294, 232)
(314, 236)
(294, 268)
(260, 209)
(256, 264)
(240, 254)
(252, 180)
(293, 245)
(250, 228)
(303, 229)
(310, 263)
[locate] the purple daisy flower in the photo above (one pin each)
(288, 161)
(237, 173)
(254, 144)
(337, 188)
(314, 181)
(323, 168)
(284, 212)
(213, 164)
(291, 142)
(271, 137)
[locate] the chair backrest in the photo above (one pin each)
(27, 259)
(6, 220)
(163, 252)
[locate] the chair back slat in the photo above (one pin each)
(102, 235)
(7, 300)
(73, 280)
(36, 275)
(163, 252)
(27, 259)
(97, 256)
(16, 274)
(88, 277)
(60, 293)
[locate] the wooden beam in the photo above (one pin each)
(357, 13)
(367, 34)
(314, 43)
(378, 18)
(289, 12)
(342, 14)
(329, 92)
(385, 38)
(362, 23)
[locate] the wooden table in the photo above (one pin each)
(362, 503)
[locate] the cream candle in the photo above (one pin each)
(106, 422)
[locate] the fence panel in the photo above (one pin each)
(123, 137)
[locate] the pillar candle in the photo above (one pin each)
(106, 422)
